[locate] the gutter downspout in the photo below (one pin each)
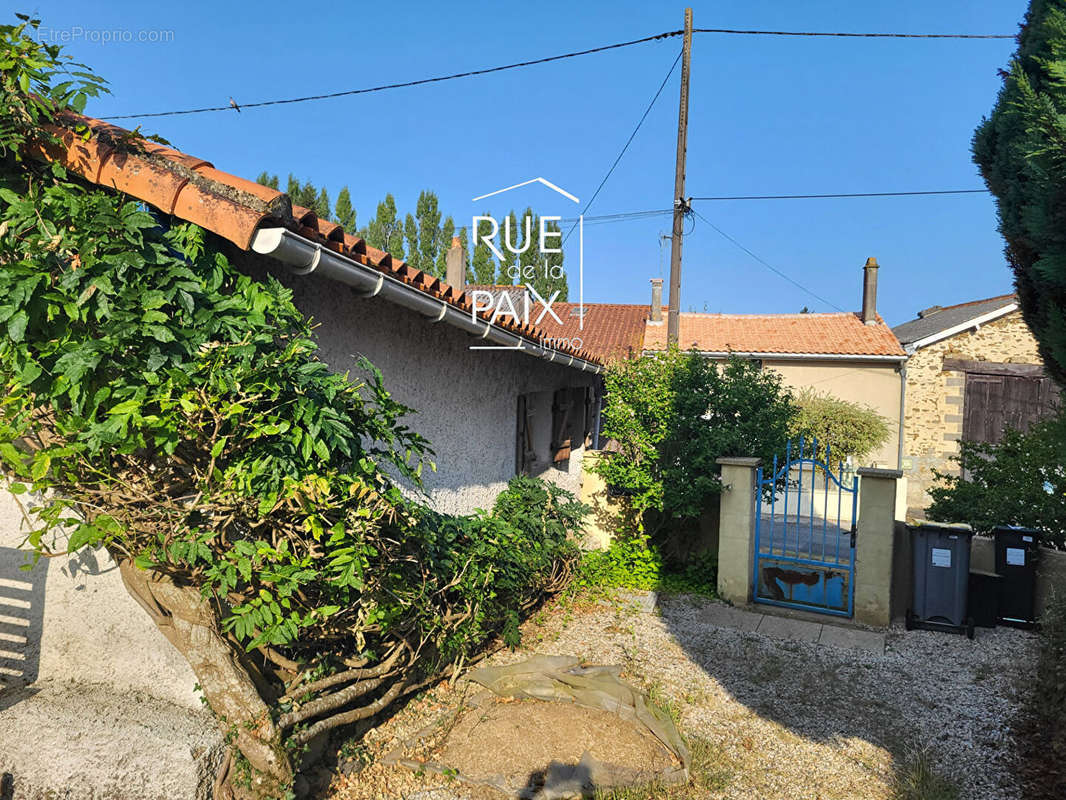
(902, 407)
(304, 257)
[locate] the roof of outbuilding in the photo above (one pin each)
(611, 331)
(841, 333)
(937, 319)
(191, 189)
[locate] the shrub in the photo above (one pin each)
(635, 562)
(843, 429)
(1019, 481)
(162, 405)
(1040, 728)
(673, 414)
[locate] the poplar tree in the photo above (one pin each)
(343, 211)
(321, 205)
(444, 244)
(385, 231)
(482, 264)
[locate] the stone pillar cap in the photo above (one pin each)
(877, 472)
(738, 461)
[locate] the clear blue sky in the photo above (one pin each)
(769, 115)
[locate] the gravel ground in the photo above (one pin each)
(784, 719)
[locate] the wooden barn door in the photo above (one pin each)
(995, 402)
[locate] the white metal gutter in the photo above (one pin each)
(974, 323)
(304, 257)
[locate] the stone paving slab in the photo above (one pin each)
(728, 617)
(853, 639)
(784, 628)
(779, 627)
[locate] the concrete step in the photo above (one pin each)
(65, 740)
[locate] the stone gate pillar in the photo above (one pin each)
(736, 529)
(874, 543)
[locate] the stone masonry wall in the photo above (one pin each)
(934, 413)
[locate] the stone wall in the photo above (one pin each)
(933, 406)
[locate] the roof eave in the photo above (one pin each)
(871, 357)
(303, 257)
(955, 330)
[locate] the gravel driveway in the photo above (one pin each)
(785, 719)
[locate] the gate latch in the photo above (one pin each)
(853, 536)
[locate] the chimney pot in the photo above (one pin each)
(869, 292)
(455, 265)
(656, 300)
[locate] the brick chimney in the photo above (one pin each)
(656, 301)
(455, 265)
(869, 292)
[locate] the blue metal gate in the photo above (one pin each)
(805, 533)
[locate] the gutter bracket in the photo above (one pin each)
(314, 262)
(377, 288)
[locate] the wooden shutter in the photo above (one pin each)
(581, 418)
(562, 428)
(525, 455)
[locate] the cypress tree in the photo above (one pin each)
(1021, 152)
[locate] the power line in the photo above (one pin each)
(629, 141)
(488, 70)
(624, 216)
(860, 35)
(404, 84)
(767, 264)
(852, 194)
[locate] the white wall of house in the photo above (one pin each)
(873, 384)
(466, 400)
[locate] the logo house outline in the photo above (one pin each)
(580, 251)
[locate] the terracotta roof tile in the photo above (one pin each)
(611, 330)
(828, 334)
(134, 175)
(192, 189)
(227, 218)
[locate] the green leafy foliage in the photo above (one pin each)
(161, 404)
(1040, 730)
(1019, 481)
(673, 414)
(1021, 152)
(635, 562)
(845, 429)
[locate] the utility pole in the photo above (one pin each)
(673, 319)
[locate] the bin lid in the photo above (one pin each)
(958, 527)
(1017, 529)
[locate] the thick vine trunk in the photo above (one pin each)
(190, 624)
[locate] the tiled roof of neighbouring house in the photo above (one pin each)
(611, 330)
(936, 319)
(191, 189)
(841, 333)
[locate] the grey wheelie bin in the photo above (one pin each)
(1017, 555)
(941, 577)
